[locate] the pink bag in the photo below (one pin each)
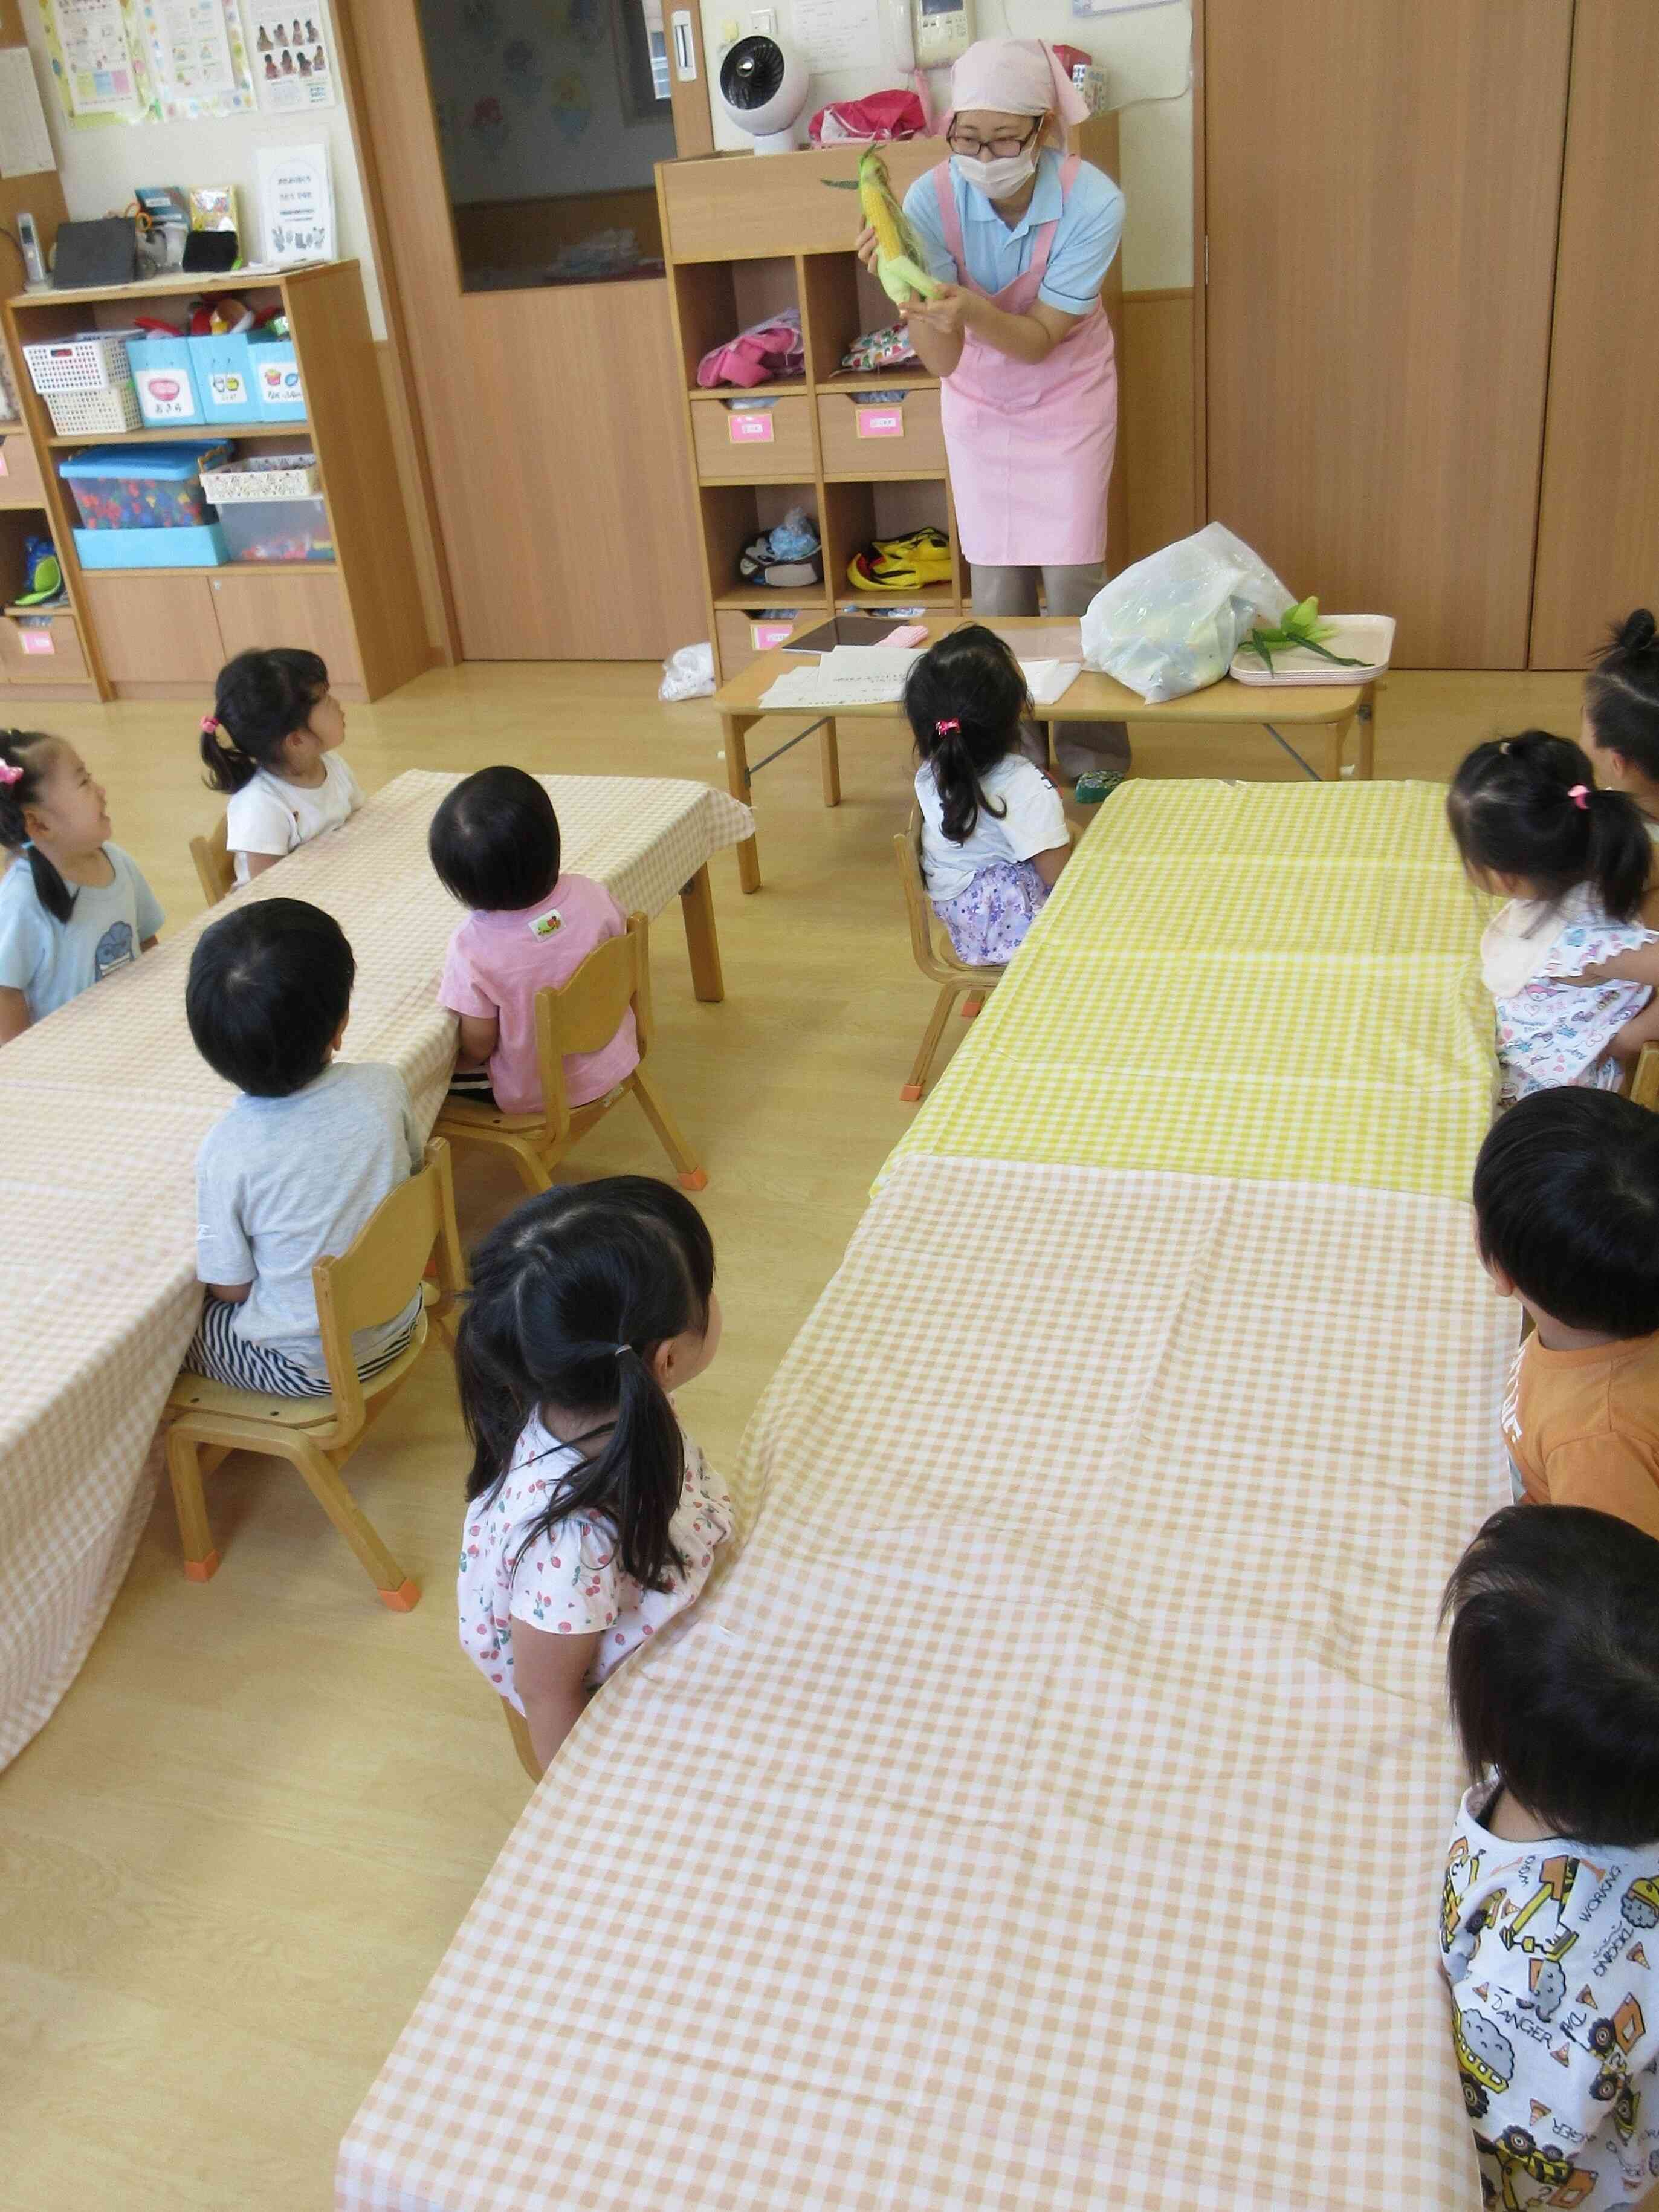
(764, 351)
(884, 115)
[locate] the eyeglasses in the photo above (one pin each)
(1002, 149)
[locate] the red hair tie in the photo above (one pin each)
(952, 728)
(210, 724)
(1580, 797)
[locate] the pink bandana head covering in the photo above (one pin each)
(1014, 76)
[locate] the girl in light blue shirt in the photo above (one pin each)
(73, 907)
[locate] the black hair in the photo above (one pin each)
(495, 841)
(1621, 693)
(1529, 806)
(1552, 1668)
(31, 751)
(262, 698)
(964, 698)
(268, 989)
(1566, 1202)
(564, 1281)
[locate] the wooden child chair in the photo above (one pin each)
(1644, 1083)
(371, 1282)
(215, 871)
(582, 1016)
(934, 956)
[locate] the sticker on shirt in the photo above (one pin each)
(546, 925)
(116, 948)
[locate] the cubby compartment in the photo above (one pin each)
(895, 435)
(734, 515)
(856, 513)
(752, 437)
(20, 472)
(41, 647)
(743, 633)
(716, 299)
(842, 301)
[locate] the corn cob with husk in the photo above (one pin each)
(898, 250)
(1302, 627)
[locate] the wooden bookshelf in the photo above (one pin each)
(163, 633)
(744, 236)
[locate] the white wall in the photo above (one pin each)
(100, 165)
(1146, 52)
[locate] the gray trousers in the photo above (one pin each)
(1078, 747)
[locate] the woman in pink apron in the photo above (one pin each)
(1021, 237)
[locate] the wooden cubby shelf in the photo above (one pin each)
(745, 238)
(164, 633)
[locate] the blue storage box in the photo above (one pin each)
(161, 374)
(154, 490)
(276, 380)
(203, 547)
(224, 378)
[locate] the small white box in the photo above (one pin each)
(269, 476)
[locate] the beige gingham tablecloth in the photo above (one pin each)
(1276, 980)
(101, 1108)
(1043, 1809)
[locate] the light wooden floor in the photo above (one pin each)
(230, 1863)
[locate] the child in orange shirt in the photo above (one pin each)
(1566, 1205)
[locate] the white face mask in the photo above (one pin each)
(997, 180)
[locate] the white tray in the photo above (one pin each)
(1368, 639)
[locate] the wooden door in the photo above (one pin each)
(1598, 523)
(1381, 189)
(553, 416)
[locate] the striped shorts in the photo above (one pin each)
(217, 1352)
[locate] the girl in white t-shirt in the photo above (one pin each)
(592, 1518)
(994, 835)
(280, 729)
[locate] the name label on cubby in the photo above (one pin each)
(35, 640)
(879, 421)
(751, 427)
(765, 634)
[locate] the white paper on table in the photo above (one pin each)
(290, 52)
(25, 148)
(835, 35)
(1048, 681)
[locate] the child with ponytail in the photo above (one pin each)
(592, 1518)
(993, 836)
(272, 742)
(73, 907)
(1620, 727)
(1568, 962)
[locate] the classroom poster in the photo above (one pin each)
(197, 59)
(288, 49)
(98, 61)
(296, 205)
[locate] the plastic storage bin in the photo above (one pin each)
(276, 380)
(263, 475)
(156, 488)
(271, 529)
(165, 385)
(203, 547)
(224, 378)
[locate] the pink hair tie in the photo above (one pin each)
(952, 728)
(1580, 797)
(209, 725)
(10, 774)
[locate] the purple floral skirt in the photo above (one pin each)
(988, 921)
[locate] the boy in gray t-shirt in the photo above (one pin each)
(301, 1159)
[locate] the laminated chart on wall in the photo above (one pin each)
(290, 50)
(98, 61)
(197, 59)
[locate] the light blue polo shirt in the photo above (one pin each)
(52, 962)
(1089, 230)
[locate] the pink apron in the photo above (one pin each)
(1030, 444)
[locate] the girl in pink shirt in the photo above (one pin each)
(494, 843)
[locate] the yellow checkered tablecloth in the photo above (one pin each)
(1043, 1812)
(1241, 980)
(102, 1108)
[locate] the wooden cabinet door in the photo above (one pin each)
(1598, 523)
(153, 629)
(1381, 186)
(276, 606)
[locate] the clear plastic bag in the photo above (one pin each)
(688, 674)
(1172, 623)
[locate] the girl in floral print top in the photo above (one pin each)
(1570, 965)
(592, 1518)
